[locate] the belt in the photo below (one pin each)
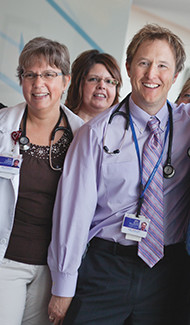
(132, 251)
(113, 247)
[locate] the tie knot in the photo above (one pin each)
(153, 124)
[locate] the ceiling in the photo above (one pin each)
(176, 11)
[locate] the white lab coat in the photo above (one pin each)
(10, 119)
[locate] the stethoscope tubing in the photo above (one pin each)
(168, 169)
(25, 142)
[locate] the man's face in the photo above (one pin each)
(143, 225)
(152, 73)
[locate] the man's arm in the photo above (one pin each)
(72, 218)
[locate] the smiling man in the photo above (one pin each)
(152, 73)
(131, 164)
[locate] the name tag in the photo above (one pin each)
(134, 227)
(10, 165)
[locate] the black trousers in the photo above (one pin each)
(115, 287)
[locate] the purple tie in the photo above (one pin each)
(151, 248)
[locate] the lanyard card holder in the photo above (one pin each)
(135, 227)
(10, 164)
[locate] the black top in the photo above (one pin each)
(31, 233)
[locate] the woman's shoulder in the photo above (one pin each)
(11, 115)
(11, 109)
(74, 120)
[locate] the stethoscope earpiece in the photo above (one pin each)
(111, 152)
(116, 151)
(106, 149)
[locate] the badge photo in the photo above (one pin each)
(10, 164)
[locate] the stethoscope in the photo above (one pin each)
(168, 169)
(188, 152)
(24, 141)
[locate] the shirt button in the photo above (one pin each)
(3, 241)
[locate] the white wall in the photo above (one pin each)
(79, 24)
(108, 25)
(137, 19)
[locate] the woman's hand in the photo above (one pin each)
(57, 309)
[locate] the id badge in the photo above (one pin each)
(9, 165)
(135, 227)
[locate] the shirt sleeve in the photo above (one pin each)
(74, 209)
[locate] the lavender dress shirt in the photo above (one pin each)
(96, 189)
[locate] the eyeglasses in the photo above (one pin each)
(45, 75)
(94, 80)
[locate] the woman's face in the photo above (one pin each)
(98, 92)
(43, 93)
(184, 98)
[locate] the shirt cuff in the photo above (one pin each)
(64, 285)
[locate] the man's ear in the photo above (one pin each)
(175, 77)
(128, 68)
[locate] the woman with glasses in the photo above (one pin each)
(184, 96)
(95, 84)
(38, 133)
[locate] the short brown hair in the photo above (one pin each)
(153, 32)
(81, 67)
(55, 54)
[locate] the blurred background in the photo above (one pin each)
(107, 25)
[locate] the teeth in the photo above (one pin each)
(151, 85)
(40, 95)
(100, 95)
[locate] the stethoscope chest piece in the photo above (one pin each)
(168, 171)
(24, 143)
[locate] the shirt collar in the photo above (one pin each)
(140, 117)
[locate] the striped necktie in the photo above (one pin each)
(151, 248)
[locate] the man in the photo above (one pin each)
(143, 226)
(123, 278)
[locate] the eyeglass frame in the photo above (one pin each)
(41, 75)
(99, 79)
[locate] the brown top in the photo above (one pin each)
(31, 233)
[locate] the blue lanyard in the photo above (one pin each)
(144, 188)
